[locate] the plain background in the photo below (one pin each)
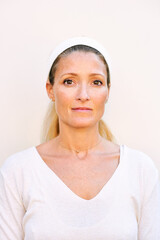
(130, 31)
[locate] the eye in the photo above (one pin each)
(98, 82)
(68, 82)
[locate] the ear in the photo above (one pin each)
(108, 93)
(50, 90)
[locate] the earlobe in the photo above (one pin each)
(50, 92)
(108, 93)
(106, 100)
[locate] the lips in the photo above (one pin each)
(81, 108)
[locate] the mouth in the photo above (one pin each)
(82, 109)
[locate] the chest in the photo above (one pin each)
(55, 213)
(86, 180)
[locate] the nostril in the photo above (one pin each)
(82, 93)
(83, 98)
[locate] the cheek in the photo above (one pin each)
(99, 98)
(63, 98)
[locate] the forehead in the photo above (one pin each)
(79, 61)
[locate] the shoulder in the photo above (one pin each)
(140, 163)
(18, 161)
(138, 157)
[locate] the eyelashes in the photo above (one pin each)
(70, 82)
(99, 82)
(66, 81)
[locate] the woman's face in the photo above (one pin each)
(80, 82)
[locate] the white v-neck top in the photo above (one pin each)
(35, 204)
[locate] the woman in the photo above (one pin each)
(79, 184)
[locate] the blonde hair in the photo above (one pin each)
(51, 122)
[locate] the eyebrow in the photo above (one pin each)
(74, 74)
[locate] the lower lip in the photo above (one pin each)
(81, 110)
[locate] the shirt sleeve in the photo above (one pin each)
(149, 224)
(11, 210)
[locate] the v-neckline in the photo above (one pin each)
(105, 186)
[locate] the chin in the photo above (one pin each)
(83, 123)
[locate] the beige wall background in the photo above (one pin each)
(130, 31)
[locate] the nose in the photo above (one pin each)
(82, 93)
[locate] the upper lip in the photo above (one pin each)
(82, 108)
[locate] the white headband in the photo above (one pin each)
(73, 42)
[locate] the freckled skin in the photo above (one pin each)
(82, 89)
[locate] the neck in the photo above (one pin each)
(78, 139)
